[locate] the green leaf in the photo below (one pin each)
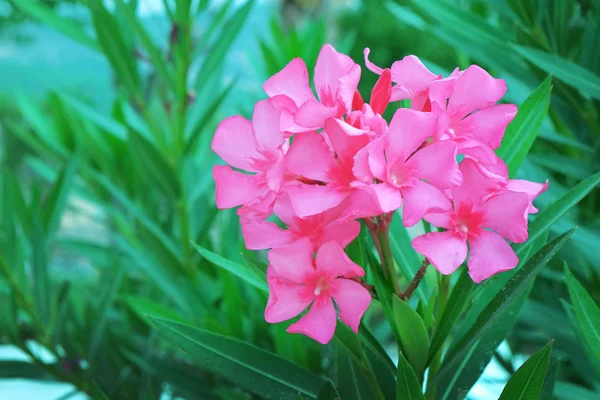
(146, 308)
(588, 317)
(523, 130)
(158, 61)
(453, 310)
(236, 269)
(254, 369)
(217, 54)
(574, 75)
(475, 361)
(109, 125)
(41, 284)
(527, 381)
(351, 380)
(56, 200)
(103, 307)
(549, 382)
(327, 391)
(201, 115)
(502, 301)
(22, 369)
(115, 48)
(48, 16)
(407, 384)
(155, 164)
(412, 335)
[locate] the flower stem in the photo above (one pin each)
(382, 233)
(416, 280)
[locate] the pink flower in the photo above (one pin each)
(319, 228)
(399, 167)
(468, 114)
(323, 166)
(257, 147)
(297, 280)
(483, 214)
(336, 79)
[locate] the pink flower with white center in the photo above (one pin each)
(483, 214)
(336, 79)
(324, 171)
(297, 280)
(401, 168)
(257, 147)
(319, 228)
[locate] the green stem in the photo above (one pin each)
(434, 366)
(385, 252)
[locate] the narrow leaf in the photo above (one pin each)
(412, 335)
(527, 382)
(501, 302)
(48, 16)
(588, 316)
(407, 384)
(574, 75)
(236, 269)
(523, 130)
(254, 369)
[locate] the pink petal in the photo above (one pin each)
(330, 68)
(265, 122)
(477, 150)
(370, 162)
(284, 210)
(261, 235)
(445, 250)
(475, 89)
(421, 199)
(490, 254)
(332, 260)
(506, 213)
(234, 188)
(287, 110)
(347, 88)
(235, 143)
(314, 199)
(389, 198)
(408, 130)
(370, 66)
(352, 300)
(341, 232)
(291, 81)
(436, 163)
(313, 114)
(382, 91)
(345, 139)
(440, 91)
(532, 189)
(285, 299)
(477, 182)
(258, 209)
(360, 204)
(319, 323)
(294, 261)
(309, 156)
(412, 75)
(487, 125)
(441, 220)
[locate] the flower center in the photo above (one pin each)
(321, 286)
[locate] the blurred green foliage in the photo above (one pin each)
(100, 211)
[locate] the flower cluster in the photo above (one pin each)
(320, 163)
